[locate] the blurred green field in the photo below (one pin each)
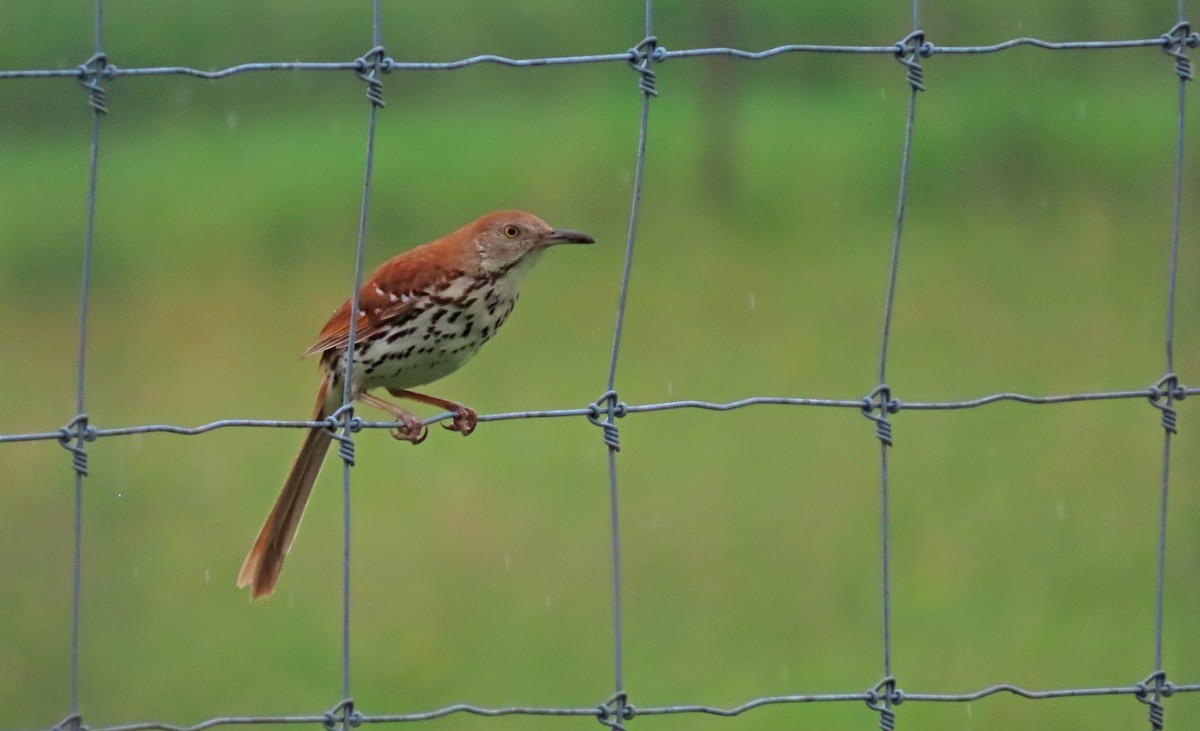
(1034, 260)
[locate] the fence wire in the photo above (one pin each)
(878, 405)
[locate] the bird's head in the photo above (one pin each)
(505, 238)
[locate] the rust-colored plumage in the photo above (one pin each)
(422, 315)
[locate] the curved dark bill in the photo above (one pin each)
(567, 236)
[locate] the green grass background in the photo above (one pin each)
(1034, 260)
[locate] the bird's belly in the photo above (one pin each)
(430, 345)
(374, 370)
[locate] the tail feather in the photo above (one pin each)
(263, 563)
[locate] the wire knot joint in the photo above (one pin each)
(368, 68)
(1163, 396)
(72, 437)
(909, 51)
(342, 716)
(881, 698)
(611, 408)
(880, 400)
(73, 722)
(341, 424)
(616, 710)
(1151, 691)
(642, 58)
(90, 72)
(1175, 41)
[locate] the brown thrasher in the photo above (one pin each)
(422, 314)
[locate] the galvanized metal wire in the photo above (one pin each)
(367, 69)
(614, 712)
(878, 405)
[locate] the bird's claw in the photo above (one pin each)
(413, 431)
(464, 421)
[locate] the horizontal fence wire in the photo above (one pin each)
(594, 409)
(878, 405)
(329, 718)
(660, 54)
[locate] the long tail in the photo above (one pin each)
(261, 568)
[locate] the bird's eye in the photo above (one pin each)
(512, 231)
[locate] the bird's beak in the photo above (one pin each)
(567, 236)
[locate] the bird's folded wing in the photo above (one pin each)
(392, 294)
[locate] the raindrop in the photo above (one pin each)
(231, 121)
(753, 303)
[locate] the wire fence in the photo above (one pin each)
(878, 405)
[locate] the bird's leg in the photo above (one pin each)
(464, 418)
(412, 431)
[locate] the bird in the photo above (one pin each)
(421, 315)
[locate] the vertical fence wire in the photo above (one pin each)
(885, 402)
(1169, 349)
(91, 78)
(1157, 680)
(370, 73)
(620, 709)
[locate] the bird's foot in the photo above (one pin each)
(413, 430)
(464, 420)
